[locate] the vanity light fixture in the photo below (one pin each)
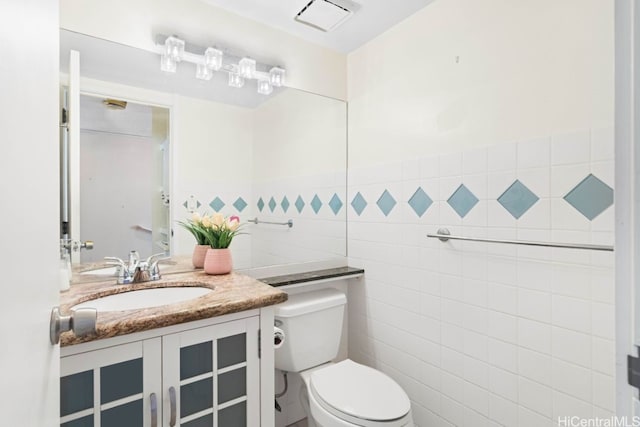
(173, 50)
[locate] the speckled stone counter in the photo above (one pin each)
(231, 293)
(311, 276)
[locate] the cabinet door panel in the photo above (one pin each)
(214, 371)
(115, 390)
(233, 416)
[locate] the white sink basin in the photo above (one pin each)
(106, 271)
(144, 298)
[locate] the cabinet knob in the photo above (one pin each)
(81, 321)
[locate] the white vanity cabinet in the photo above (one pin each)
(198, 376)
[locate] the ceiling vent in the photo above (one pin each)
(326, 15)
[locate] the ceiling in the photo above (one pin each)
(372, 18)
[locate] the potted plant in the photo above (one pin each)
(196, 226)
(219, 233)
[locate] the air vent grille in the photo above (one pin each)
(326, 15)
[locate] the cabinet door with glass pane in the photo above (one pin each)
(211, 376)
(117, 386)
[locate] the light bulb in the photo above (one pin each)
(264, 87)
(167, 64)
(235, 80)
(203, 72)
(247, 68)
(213, 58)
(276, 76)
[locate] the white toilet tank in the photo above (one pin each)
(312, 323)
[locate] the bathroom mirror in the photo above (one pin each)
(277, 158)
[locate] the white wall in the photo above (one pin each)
(524, 69)
(481, 334)
(309, 66)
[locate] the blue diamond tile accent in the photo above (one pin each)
(358, 203)
(591, 197)
(272, 204)
(217, 204)
(240, 204)
(386, 203)
(517, 199)
(186, 204)
(420, 202)
(299, 204)
(316, 204)
(462, 200)
(260, 204)
(335, 204)
(285, 204)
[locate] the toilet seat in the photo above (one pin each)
(359, 395)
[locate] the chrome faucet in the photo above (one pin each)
(136, 271)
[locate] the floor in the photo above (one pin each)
(301, 423)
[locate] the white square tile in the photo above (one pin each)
(474, 292)
(571, 280)
(603, 356)
(605, 172)
(502, 298)
(566, 178)
(503, 411)
(474, 161)
(503, 383)
(535, 397)
(571, 379)
(451, 164)
(452, 386)
(566, 217)
(498, 216)
(534, 305)
(410, 169)
(567, 406)
(570, 346)
(499, 182)
(476, 372)
(501, 157)
(476, 398)
(602, 144)
(604, 392)
(534, 153)
(574, 147)
(429, 167)
(534, 275)
(452, 411)
(571, 313)
(571, 256)
(527, 418)
(502, 270)
(538, 216)
(538, 180)
(452, 337)
(452, 361)
(603, 320)
(503, 355)
(476, 345)
(503, 327)
(534, 366)
(534, 335)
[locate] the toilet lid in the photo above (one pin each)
(360, 391)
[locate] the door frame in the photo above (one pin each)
(627, 224)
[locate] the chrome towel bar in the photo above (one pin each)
(444, 235)
(256, 221)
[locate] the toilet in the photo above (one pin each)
(342, 394)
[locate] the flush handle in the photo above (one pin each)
(81, 321)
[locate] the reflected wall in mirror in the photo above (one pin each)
(276, 158)
(124, 148)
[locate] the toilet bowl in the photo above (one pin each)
(342, 394)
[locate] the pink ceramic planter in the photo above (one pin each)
(199, 253)
(218, 261)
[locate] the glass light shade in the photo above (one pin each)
(203, 72)
(264, 87)
(167, 64)
(247, 68)
(213, 58)
(276, 76)
(236, 80)
(174, 48)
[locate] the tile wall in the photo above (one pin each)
(485, 334)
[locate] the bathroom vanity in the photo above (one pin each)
(198, 362)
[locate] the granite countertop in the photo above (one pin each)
(231, 293)
(310, 276)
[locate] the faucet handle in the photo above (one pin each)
(156, 257)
